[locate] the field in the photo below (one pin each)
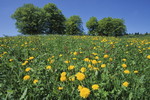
(74, 68)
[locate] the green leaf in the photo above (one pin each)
(24, 94)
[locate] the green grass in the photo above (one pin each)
(54, 50)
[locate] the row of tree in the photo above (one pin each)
(50, 20)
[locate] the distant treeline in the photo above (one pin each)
(33, 20)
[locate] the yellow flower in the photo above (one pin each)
(126, 71)
(48, 67)
(106, 56)
(23, 64)
(84, 92)
(87, 59)
(60, 88)
(124, 65)
(80, 76)
(125, 84)
(63, 74)
(27, 69)
(72, 78)
(66, 61)
(135, 71)
(26, 77)
(83, 69)
(63, 78)
(75, 53)
(96, 57)
(110, 59)
(99, 61)
(94, 62)
(30, 58)
(148, 57)
(90, 66)
(74, 58)
(124, 60)
(52, 61)
(95, 54)
(10, 59)
(80, 87)
(95, 87)
(60, 55)
(103, 65)
(35, 81)
(71, 67)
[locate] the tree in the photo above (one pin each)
(54, 20)
(74, 26)
(28, 19)
(111, 27)
(92, 26)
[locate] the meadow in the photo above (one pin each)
(57, 67)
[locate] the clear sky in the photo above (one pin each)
(136, 13)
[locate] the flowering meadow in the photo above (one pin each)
(74, 68)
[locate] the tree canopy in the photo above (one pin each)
(74, 25)
(92, 26)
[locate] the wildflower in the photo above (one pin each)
(84, 92)
(95, 54)
(103, 65)
(96, 57)
(70, 67)
(125, 84)
(26, 77)
(66, 61)
(99, 61)
(72, 78)
(94, 62)
(60, 88)
(74, 58)
(48, 67)
(110, 59)
(30, 58)
(106, 56)
(63, 78)
(80, 87)
(126, 71)
(148, 57)
(95, 87)
(124, 65)
(35, 81)
(60, 55)
(27, 69)
(83, 69)
(80, 76)
(63, 74)
(87, 59)
(124, 60)
(90, 66)
(135, 71)
(75, 53)
(10, 59)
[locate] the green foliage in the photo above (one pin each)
(28, 19)
(54, 20)
(111, 27)
(33, 20)
(17, 54)
(74, 26)
(92, 26)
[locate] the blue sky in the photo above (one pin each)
(136, 13)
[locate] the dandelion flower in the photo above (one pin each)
(124, 60)
(84, 92)
(148, 57)
(94, 62)
(125, 84)
(35, 81)
(71, 67)
(63, 78)
(26, 77)
(48, 67)
(135, 71)
(103, 65)
(126, 71)
(60, 88)
(124, 65)
(66, 61)
(80, 76)
(83, 69)
(95, 87)
(106, 56)
(10, 60)
(63, 74)
(30, 58)
(27, 69)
